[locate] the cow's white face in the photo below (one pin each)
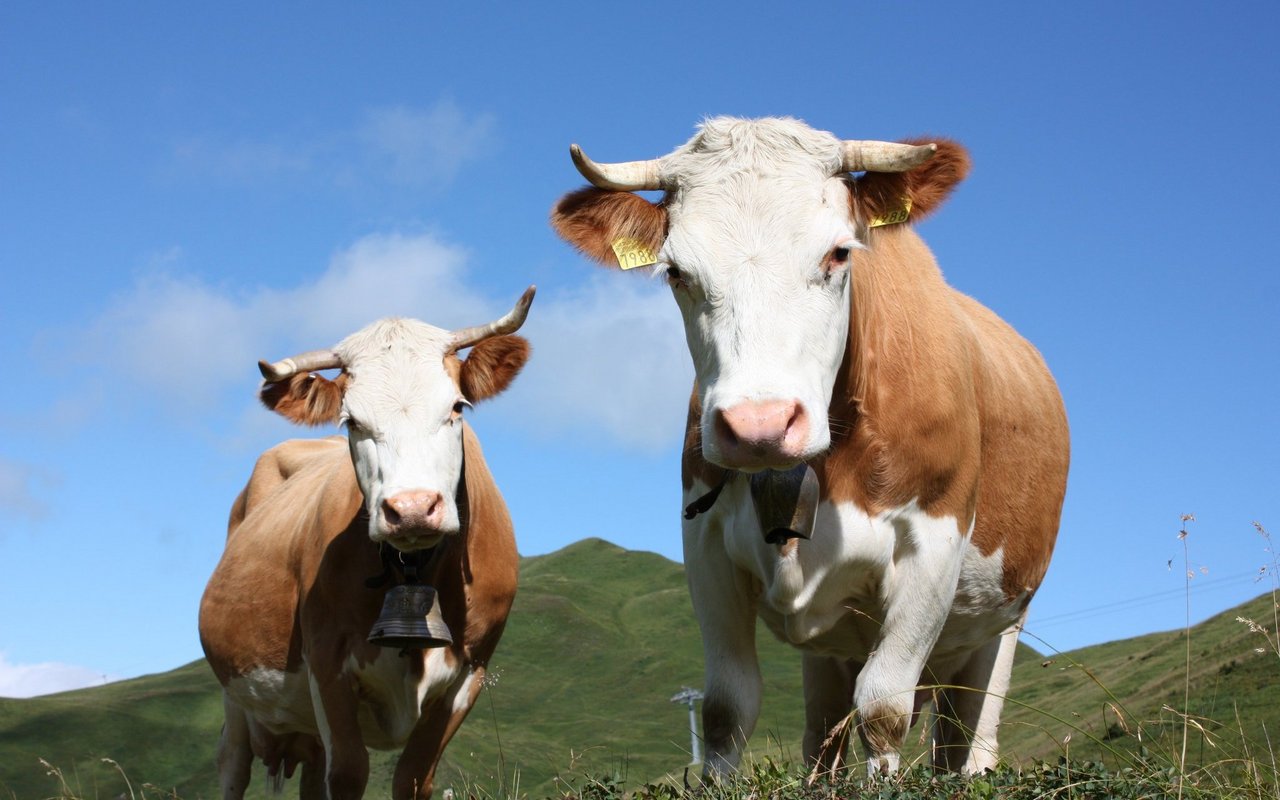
(757, 255)
(400, 395)
(755, 233)
(403, 414)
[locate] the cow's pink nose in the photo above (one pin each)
(413, 511)
(772, 433)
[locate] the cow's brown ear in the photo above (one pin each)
(491, 366)
(593, 219)
(879, 195)
(306, 398)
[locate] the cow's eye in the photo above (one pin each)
(460, 406)
(840, 255)
(675, 277)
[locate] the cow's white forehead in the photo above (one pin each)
(767, 148)
(755, 192)
(394, 334)
(396, 364)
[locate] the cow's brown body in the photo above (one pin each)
(288, 609)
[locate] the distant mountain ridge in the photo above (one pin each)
(599, 640)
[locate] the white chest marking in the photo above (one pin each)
(831, 595)
(392, 699)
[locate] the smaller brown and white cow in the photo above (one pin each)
(286, 617)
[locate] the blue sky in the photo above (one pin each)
(186, 191)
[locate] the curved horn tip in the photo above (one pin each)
(270, 373)
(521, 309)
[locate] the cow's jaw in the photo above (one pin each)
(766, 317)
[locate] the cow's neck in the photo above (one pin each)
(898, 409)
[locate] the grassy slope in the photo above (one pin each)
(1141, 676)
(598, 642)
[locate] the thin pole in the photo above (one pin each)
(691, 697)
(693, 734)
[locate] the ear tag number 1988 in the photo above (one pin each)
(633, 253)
(892, 217)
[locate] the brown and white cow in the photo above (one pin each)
(821, 335)
(285, 618)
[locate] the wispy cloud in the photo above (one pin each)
(245, 161)
(185, 341)
(405, 145)
(32, 680)
(418, 146)
(18, 495)
(609, 358)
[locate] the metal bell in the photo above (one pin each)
(786, 502)
(411, 619)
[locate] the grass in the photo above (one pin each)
(577, 705)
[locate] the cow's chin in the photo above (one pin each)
(412, 541)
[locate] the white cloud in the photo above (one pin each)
(414, 146)
(186, 341)
(609, 358)
(31, 680)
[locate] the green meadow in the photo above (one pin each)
(578, 704)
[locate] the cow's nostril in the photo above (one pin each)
(389, 513)
(724, 431)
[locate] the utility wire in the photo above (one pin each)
(1127, 604)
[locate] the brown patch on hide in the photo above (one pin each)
(942, 402)
(692, 465)
(883, 729)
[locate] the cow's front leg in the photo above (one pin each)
(333, 696)
(416, 770)
(725, 606)
(919, 590)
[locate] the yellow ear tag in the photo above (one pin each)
(893, 217)
(632, 253)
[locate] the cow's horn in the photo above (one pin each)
(307, 362)
(624, 176)
(870, 156)
(509, 323)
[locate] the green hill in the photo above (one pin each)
(598, 641)
(1111, 691)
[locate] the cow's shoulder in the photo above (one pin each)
(280, 463)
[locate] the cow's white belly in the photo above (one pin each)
(391, 698)
(279, 701)
(830, 595)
